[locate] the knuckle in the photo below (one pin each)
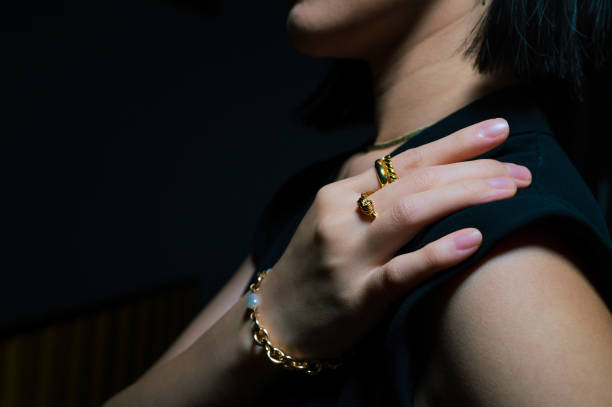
(493, 165)
(498, 168)
(324, 228)
(414, 158)
(425, 179)
(390, 276)
(489, 166)
(324, 193)
(467, 137)
(474, 187)
(431, 257)
(403, 211)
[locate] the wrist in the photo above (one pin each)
(279, 356)
(254, 356)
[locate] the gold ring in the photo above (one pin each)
(366, 206)
(385, 171)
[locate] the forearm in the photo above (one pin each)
(223, 367)
(214, 310)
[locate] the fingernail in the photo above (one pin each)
(494, 128)
(518, 171)
(467, 240)
(501, 183)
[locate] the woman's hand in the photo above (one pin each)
(339, 274)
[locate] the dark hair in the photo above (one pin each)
(539, 41)
(544, 39)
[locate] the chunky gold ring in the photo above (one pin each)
(366, 206)
(385, 171)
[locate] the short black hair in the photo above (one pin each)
(552, 43)
(544, 39)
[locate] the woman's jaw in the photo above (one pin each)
(415, 50)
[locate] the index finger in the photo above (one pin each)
(461, 145)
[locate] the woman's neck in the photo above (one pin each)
(426, 77)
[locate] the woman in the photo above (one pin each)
(431, 310)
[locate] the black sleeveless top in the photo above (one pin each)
(557, 200)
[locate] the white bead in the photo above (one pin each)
(252, 301)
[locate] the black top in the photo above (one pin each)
(557, 199)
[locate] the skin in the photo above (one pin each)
(499, 332)
(524, 327)
(505, 326)
(338, 279)
(414, 50)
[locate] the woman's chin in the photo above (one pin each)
(305, 33)
(335, 32)
(318, 42)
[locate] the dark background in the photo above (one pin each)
(140, 142)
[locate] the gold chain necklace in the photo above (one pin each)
(396, 141)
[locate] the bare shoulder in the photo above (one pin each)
(523, 327)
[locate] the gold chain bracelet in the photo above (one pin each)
(276, 355)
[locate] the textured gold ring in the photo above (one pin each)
(366, 206)
(385, 171)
